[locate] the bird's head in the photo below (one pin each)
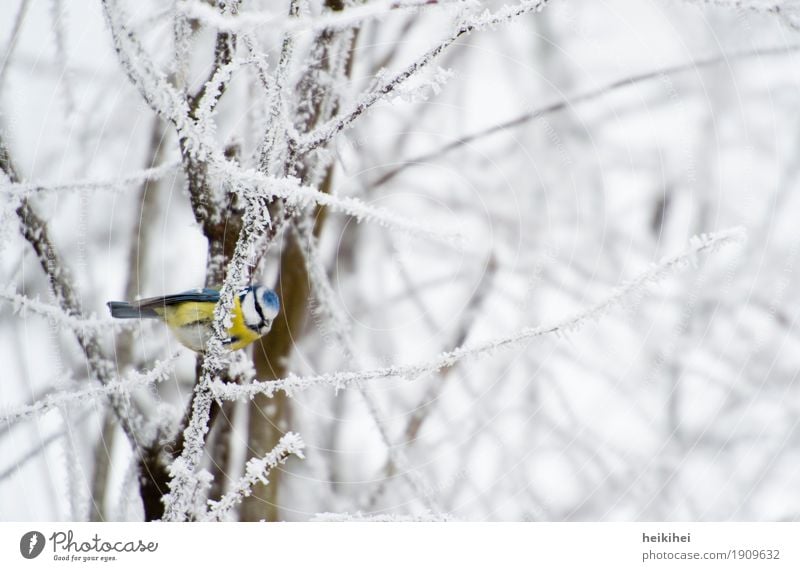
(260, 306)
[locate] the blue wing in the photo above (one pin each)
(144, 308)
(205, 294)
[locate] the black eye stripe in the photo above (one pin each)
(258, 309)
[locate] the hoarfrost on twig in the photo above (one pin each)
(256, 471)
(704, 243)
(132, 381)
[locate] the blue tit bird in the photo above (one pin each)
(190, 315)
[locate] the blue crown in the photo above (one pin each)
(270, 299)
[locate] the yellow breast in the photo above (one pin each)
(191, 322)
(242, 334)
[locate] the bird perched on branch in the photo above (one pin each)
(190, 315)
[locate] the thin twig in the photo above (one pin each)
(626, 293)
(8, 52)
(575, 100)
(323, 134)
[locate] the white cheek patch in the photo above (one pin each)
(249, 312)
(270, 312)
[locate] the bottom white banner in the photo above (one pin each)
(390, 546)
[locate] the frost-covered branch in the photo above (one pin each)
(213, 89)
(195, 136)
(133, 381)
(199, 146)
(300, 108)
(22, 304)
(626, 293)
(155, 88)
(763, 6)
(257, 470)
(202, 104)
(468, 319)
(353, 16)
(787, 10)
(385, 86)
(25, 189)
(37, 234)
(151, 82)
(202, 162)
(186, 480)
(255, 185)
(279, 124)
(199, 151)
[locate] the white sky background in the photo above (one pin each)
(682, 405)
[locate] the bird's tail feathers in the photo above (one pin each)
(125, 310)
